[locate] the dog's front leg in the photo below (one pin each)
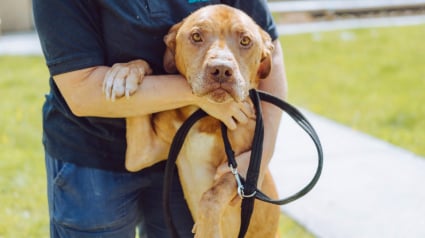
(196, 177)
(216, 217)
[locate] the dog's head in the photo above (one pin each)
(221, 52)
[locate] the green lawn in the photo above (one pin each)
(372, 80)
(23, 211)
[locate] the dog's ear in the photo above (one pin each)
(169, 61)
(266, 56)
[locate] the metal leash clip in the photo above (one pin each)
(240, 185)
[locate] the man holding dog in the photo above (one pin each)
(90, 193)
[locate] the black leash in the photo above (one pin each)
(246, 189)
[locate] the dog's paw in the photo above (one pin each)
(124, 78)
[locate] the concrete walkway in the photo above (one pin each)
(368, 188)
(350, 24)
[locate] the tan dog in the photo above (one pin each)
(222, 53)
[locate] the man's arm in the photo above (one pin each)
(82, 90)
(275, 84)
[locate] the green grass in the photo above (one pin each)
(371, 80)
(23, 210)
(288, 228)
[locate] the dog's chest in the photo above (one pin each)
(201, 146)
(203, 143)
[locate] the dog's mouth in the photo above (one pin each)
(220, 93)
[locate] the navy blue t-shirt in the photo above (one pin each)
(77, 34)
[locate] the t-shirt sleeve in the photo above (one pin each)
(69, 33)
(259, 11)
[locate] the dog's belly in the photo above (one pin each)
(203, 148)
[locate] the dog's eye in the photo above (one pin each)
(245, 41)
(196, 37)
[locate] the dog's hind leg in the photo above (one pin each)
(144, 148)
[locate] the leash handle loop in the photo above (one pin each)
(299, 118)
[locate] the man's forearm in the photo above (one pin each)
(82, 91)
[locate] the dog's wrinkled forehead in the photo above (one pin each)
(220, 19)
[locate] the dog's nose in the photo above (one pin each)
(220, 72)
